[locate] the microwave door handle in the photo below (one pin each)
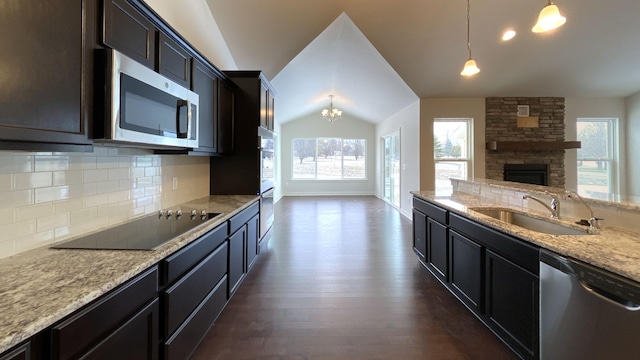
(179, 134)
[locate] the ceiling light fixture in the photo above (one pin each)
(549, 19)
(331, 114)
(470, 67)
(508, 35)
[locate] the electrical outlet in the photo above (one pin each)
(476, 189)
(175, 183)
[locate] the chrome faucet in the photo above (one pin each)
(593, 221)
(553, 207)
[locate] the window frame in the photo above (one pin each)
(342, 160)
(612, 151)
(467, 160)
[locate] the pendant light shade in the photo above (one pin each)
(549, 19)
(470, 67)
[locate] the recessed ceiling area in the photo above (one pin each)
(364, 52)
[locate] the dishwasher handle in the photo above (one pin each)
(611, 298)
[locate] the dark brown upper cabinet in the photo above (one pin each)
(45, 98)
(174, 61)
(127, 30)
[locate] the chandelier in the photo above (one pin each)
(331, 114)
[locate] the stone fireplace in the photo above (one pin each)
(534, 139)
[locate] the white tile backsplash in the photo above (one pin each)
(48, 197)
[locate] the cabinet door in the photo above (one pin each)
(252, 240)
(420, 234)
(174, 61)
(466, 269)
(270, 110)
(128, 31)
(236, 258)
(437, 249)
(205, 84)
(512, 304)
(45, 94)
(225, 143)
(21, 353)
(137, 339)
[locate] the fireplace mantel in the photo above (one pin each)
(532, 145)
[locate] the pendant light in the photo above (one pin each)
(470, 67)
(549, 18)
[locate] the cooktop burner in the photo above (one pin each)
(147, 233)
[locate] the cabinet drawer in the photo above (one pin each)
(188, 336)
(514, 249)
(185, 295)
(71, 337)
(242, 217)
(184, 259)
(432, 211)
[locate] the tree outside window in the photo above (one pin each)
(329, 159)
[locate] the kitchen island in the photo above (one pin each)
(483, 240)
(40, 287)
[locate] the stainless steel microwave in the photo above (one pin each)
(137, 106)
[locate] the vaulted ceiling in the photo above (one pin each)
(378, 56)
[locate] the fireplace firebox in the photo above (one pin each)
(537, 174)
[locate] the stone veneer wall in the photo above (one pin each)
(501, 125)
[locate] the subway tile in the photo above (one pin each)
(125, 162)
(126, 184)
(82, 162)
(68, 231)
(137, 193)
(17, 229)
(52, 222)
(144, 161)
(7, 247)
(5, 182)
(51, 193)
(16, 198)
(101, 150)
(106, 187)
(144, 182)
(107, 162)
(67, 177)
(95, 224)
(118, 196)
(118, 173)
(7, 216)
(34, 241)
(96, 200)
(109, 210)
(51, 163)
(68, 205)
(82, 190)
(16, 164)
(136, 172)
(82, 215)
(151, 171)
(23, 213)
(96, 175)
(32, 180)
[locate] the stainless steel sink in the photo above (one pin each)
(529, 222)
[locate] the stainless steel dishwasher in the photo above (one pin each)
(586, 312)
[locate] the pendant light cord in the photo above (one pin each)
(468, 26)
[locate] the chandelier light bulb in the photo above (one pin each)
(470, 68)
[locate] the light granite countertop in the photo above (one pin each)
(610, 248)
(42, 286)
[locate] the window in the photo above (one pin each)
(329, 159)
(391, 168)
(596, 157)
(452, 151)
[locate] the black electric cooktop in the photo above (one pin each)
(147, 233)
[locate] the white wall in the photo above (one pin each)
(432, 108)
(594, 108)
(407, 123)
(633, 144)
(193, 20)
(314, 126)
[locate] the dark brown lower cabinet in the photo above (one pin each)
(437, 249)
(185, 340)
(420, 234)
(467, 270)
(23, 352)
(253, 237)
(512, 304)
(107, 326)
(236, 258)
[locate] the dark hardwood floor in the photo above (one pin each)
(340, 281)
